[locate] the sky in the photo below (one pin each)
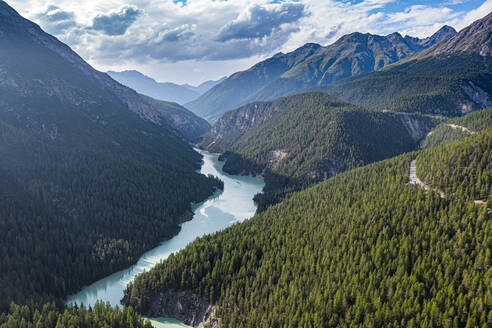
(191, 41)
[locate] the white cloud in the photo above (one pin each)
(171, 39)
(258, 21)
(116, 22)
(473, 15)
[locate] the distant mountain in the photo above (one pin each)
(306, 138)
(147, 86)
(191, 126)
(166, 91)
(91, 174)
(309, 66)
(205, 86)
(451, 78)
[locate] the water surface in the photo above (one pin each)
(232, 205)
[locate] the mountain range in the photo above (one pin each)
(452, 78)
(308, 66)
(92, 173)
(297, 140)
(376, 154)
(165, 91)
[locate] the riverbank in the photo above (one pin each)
(234, 204)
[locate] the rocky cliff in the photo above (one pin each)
(185, 306)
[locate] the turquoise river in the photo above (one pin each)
(234, 204)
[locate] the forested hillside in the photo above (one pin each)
(365, 248)
(298, 140)
(186, 122)
(452, 78)
(309, 66)
(462, 169)
(458, 128)
(49, 316)
(92, 176)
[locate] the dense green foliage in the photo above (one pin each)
(87, 183)
(49, 316)
(311, 137)
(431, 85)
(452, 129)
(462, 169)
(365, 248)
(70, 215)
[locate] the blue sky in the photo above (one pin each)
(195, 40)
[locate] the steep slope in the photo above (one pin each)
(458, 128)
(145, 85)
(307, 138)
(452, 78)
(93, 174)
(365, 248)
(238, 87)
(308, 66)
(186, 122)
(461, 169)
(351, 55)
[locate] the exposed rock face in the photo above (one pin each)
(309, 66)
(476, 38)
(476, 94)
(234, 124)
(185, 306)
(416, 127)
(276, 156)
(443, 34)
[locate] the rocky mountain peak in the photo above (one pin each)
(476, 38)
(442, 34)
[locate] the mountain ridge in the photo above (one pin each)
(298, 140)
(451, 78)
(308, 66)
(165, 91)
(96, 175)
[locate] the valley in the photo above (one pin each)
(232, 205)
(329, 185)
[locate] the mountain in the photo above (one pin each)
(444, 33)
(309, 66)
(205, 86)
(451, 78)
(159, 90)
(186, 122)
(365, 248)
(301, 139)
(166, 91)
(92, 175)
